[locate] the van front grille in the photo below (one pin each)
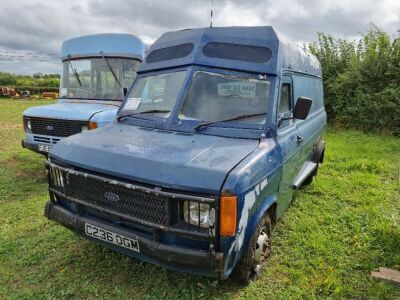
(46, 139)
(148, 206)
(118, 199)
(56, 127)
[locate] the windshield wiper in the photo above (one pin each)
(241, 117)
(111, 69)
(74, 71)
(142, 112)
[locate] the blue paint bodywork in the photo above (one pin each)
(184, 157)
(70, 110)
(284, 55)
(257, 163)
(102, 112)
(112, 44)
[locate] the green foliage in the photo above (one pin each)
(35, 83)
(361, 80)
(7, 79)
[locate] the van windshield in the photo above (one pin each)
(155, 94)
(214, 97)
(211, 97)
(91, 78)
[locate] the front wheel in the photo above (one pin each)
(256, 255)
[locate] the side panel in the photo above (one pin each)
(289, 146)
(311, 128)
(255, 181)
(287, 135)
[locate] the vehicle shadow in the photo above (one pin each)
(108, 270)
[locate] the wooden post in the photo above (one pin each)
(387, 274)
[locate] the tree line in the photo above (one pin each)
(35, 82)
(361, 80)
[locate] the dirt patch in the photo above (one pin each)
(8, 126)
(22, 166)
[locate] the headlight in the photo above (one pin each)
(27, 124)
(84, 128)
(196, 213)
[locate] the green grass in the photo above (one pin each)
(336, 231)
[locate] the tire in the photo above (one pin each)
(252, 264)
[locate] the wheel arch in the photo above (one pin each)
(319, 151)
(269, 206)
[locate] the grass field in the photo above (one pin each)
(336, 231)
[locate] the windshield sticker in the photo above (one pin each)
(63, 92)
(245, 90)
(132, 103)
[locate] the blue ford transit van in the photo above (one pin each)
(219, 128)
(96, 70)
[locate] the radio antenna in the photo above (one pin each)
(211, 13)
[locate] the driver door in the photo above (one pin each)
(287, 139)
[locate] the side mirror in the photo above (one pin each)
(125, 91)
(302, 108)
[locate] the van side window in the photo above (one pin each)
(285, 103)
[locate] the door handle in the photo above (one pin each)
(299, 138)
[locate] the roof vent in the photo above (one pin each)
(251, 54)
(168, 53)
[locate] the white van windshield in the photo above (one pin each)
(92, 78)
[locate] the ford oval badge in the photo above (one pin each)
(110, 196)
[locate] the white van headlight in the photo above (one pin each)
(196, 213)
(27, 124)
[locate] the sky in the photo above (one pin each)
(32, 31)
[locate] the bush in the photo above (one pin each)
(37, 83)
(7, 79)
(361, 80)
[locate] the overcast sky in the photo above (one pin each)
(33, 28)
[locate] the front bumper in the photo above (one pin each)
(33, 147)
(32, 141)
(167, 256)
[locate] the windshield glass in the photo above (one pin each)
(92, 78)
(155, 93)
(214, 97)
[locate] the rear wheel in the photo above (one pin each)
(256, 255)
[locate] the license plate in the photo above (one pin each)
(111, 237)
(44, 147)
